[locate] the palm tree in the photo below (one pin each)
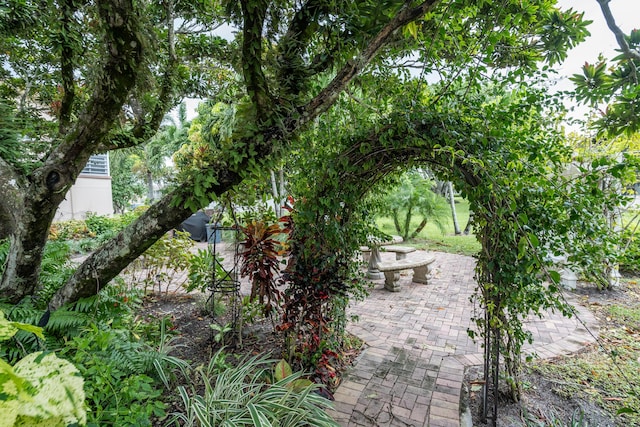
(151, 159)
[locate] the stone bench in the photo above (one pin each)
(371, 254)
(421, 271)
(401, 251)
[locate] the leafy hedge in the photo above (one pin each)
(630, 258)
(93, 226)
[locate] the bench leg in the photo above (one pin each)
(392, 281)
(374, 260)
(422, 274)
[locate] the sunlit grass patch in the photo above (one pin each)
(434, 239)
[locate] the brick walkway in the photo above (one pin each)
(411, 372)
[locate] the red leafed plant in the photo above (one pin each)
(261, 259)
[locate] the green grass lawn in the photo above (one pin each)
(435, 239)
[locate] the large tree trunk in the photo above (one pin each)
(41, 194)
(110, 259)
(44, 189)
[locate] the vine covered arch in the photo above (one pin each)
(503, 149)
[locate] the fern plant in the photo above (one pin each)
(23, 342)
(124, 375)
(56, 270)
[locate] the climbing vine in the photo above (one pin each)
(503, 148)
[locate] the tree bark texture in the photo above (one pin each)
(46, 186)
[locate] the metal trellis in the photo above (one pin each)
(225, 278)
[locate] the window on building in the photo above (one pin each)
(98, 164)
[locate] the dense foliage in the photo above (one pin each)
(615, 84)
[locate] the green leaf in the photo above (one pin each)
(29, 328)
(7, 329)
(412, 29)
(282, 370)
(300, 384)
(523, 218)
(257, 417)
(626, 410)
(522, 247)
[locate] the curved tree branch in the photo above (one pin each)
(329, 94)
(620, 37)
(113, 257)
(110, 259)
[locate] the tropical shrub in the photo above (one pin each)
(163, 263)
(630, 257)
(100, 224)
(72, 229)
(125, 361)
(93, 226)
(120, 388)
(321, 278)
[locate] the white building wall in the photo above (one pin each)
(90, 193)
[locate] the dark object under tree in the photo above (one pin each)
(196, 226)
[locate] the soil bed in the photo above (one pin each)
(195, 339)
(545, 400)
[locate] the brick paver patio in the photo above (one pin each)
(417, 348)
